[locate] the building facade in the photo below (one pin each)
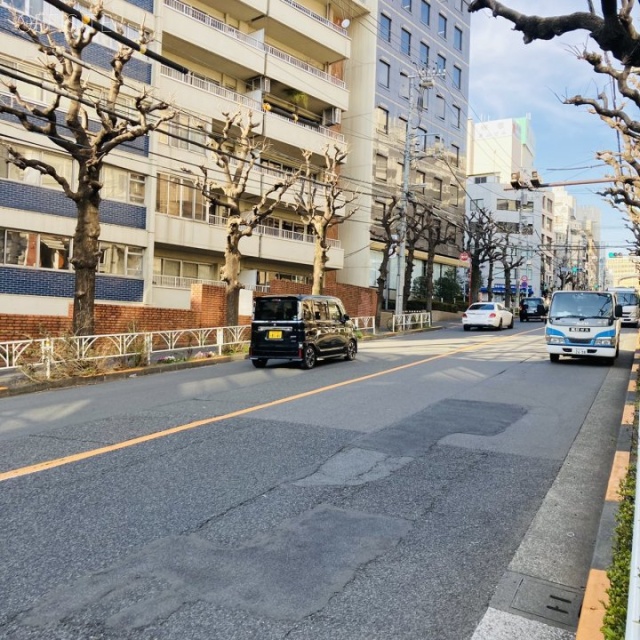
(499, 149)
(409, 75)
(279, 62)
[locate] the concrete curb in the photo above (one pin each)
(595, 596)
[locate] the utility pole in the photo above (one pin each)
(426, 81)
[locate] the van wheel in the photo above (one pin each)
(510, 325)
(554, 357)
(352, 349)
(308, 358)
(260, 363)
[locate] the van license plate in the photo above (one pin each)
(581, 352)
(274, 335)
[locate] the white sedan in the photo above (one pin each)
(490, 315)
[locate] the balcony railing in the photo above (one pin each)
(218, 25)
(210, 86)
(275, 232)
(177, 282)
(317, 17)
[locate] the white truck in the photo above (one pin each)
(628, 298)
(583, 324)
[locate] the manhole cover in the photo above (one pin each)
(550, 602)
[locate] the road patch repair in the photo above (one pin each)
(287, 574)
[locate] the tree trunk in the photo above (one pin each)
(383, 275)
(231, 272)
(429, 279)
(490, 282)
(319, 262)
(85, 263)
(408, 277)
(507, 287)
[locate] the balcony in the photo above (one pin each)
(188, 33)
(266, 243)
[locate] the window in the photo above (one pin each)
(384, 73)
(424, 54)
(63, 165)
(437, 187)
(404, 85)
(455, 152)
(441, 63)
(382, 123)
(177, 196)
(480, 180)
(457, 77)
(457, 38)
(405, 42)
(403, 126)
(120, 259)
(457, 116)
(39, 250)
(385, 27)
(440, 107)
(455, 195)
(421, 140)
(381, 167)
(442, 26)
(184, 132)
(122, 185)
(406, 4)
(182, 269)
(425, 12)
(421, 180)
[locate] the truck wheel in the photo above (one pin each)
(309, 357)
(260, 363)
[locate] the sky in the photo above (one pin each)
(509, 79)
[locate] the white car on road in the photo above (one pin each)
(489, 315)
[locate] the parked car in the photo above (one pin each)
(489, 315)
(533, 309)
(300, 328)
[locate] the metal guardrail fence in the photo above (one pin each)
(408, 321)
(131, 349)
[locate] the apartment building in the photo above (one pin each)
(408, 74)
(497, 150)
(283, 61)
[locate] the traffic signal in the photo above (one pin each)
(613, 254)
(517, 182)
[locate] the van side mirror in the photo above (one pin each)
(345, 317)
(618, 311)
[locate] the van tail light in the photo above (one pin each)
(464, 315)
(492, 315)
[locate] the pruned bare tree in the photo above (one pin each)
(235, 152)
(332, 211)
(425, 226)
(386, 232)
(510, 258)
(84, 125)
(478, 232)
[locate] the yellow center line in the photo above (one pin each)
(84, 455)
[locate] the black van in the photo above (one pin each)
(300, 328)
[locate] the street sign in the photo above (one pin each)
(464, 256)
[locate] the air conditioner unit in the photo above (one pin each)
(331, 116)
(259, 83)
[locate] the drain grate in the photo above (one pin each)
(549, 602)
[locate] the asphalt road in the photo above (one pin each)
(444, 486)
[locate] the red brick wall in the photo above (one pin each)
(207, 310)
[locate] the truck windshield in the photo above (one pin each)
(275, 309)
(627, 299)
(581, 305)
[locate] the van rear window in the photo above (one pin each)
(275, 309)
